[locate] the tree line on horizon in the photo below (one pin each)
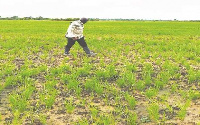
(73, 19)
(43, 18)
(56, 19)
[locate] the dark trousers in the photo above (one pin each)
(71, 42)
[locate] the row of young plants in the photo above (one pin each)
(95, 82)
(130, 63)
(98, 83)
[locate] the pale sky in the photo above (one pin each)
(133, 9)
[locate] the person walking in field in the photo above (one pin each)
(75, 33)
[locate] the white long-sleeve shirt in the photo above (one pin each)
(75, 30)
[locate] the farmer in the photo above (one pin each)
(75, 33)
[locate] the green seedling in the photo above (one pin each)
(49, 95)
(131, 67)
(27, 72)
(94, 112)
(193, 76)
(130, 78)
(73, 84)
(194, 95)
(10, 81)
(131, 100)
(165, 77)
(7, 70)
(55, 71)
(50, 99)
(151, 92)
(42, 97)
(83, 122)
(64, 78)
(18, 103)
(107, 120)
(83, 72)
(78, 91)
(148, 79)
(65, 68)
(111, 71)
(159, 84)
(184, 94)
(98, 88)
(169, 107)
(94, 85)
(153, 110)
(148, 68)
(121, 82)
(140, 85)
(102, 75)
(43, 119)
(28, 92)
(132, 119)
(89, 85)
(183, 110)
(117, 99)
(174, 88)
(17, 120)
(69, 106)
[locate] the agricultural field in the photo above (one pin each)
(145, 72)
